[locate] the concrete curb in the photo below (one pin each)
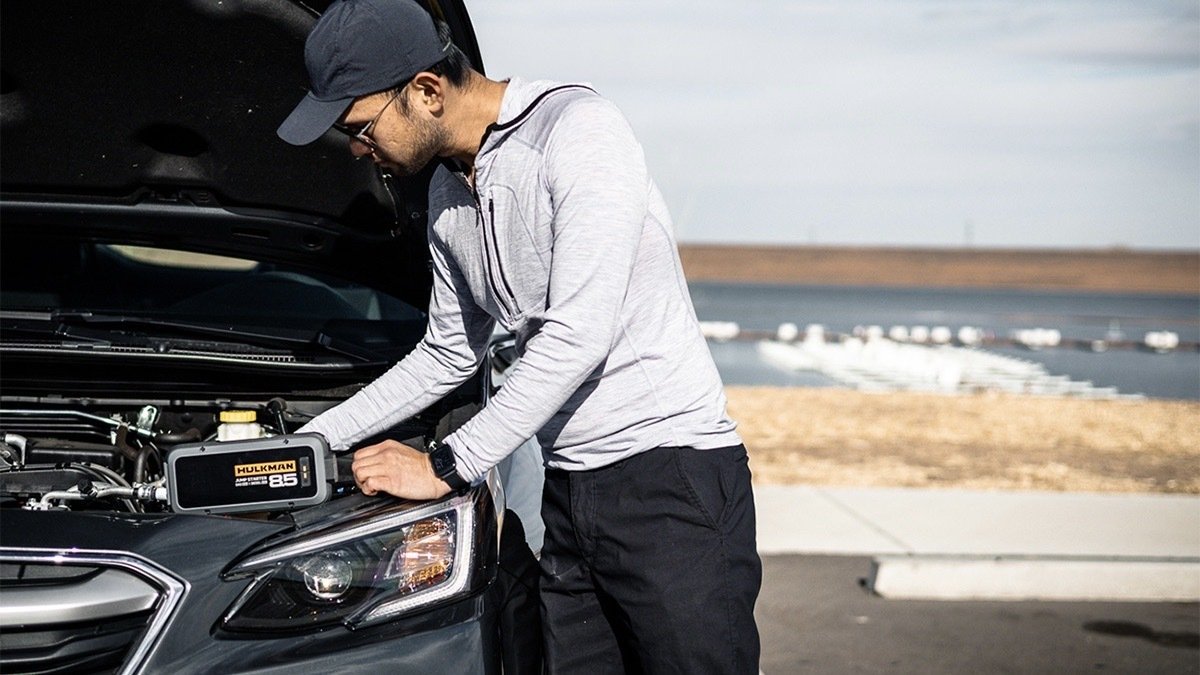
(1035, 578)
(963, 544)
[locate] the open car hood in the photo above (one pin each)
(155, 122)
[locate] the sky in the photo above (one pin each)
(987, 123)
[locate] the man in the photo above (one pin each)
(543, 218)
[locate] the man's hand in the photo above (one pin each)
(398, 470)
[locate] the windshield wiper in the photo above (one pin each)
(238, 335)
(76, 325)
(40, 330)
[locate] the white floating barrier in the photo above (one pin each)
(721, 331)
(788, 357)
(787, 332)
(940, 335)
(919, 334)
(814, 334)
(1037, 338)
(884, 365)
(1026, 337)
(1161, 341)
(874, 333)
(970, 336)
(898, 333)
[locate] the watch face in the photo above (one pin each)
(442, 460)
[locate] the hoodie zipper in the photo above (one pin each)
(487, 249)
(487, 262)
(509, 303)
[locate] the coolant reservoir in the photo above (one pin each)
(239, 425)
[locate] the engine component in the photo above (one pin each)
(277, 406)
(271, 474)
(35, 420)
(59, 451)
(37, 482)
(239, 425)
(12, 452)
(147, 418)
(168, 438)
(140, 493)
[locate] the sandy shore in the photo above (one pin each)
(1107, 270)
(844, 437)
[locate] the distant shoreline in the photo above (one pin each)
(1107, 270)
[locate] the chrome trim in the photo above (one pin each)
(370, 528)
(172, 588)
(108, 594)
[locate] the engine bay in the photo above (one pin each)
(164, 458)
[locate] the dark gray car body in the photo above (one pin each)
(151, 124)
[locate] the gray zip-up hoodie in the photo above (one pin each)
(566, 242)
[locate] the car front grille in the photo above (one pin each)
(81, 612)
(97, 646)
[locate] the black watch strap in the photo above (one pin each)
(445, 467)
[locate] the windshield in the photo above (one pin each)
(48, 274)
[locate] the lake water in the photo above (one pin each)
(1084, 316)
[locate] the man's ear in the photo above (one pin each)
(428, 90)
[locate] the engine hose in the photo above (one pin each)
(106, 474)
(188, 436)
(278, 407)
(139, 465)
(126, 449)
(61, 495)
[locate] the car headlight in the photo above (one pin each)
(397, 559)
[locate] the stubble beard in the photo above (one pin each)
(427, 141)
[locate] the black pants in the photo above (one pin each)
(650, 566)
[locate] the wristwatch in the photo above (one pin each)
(445, 467)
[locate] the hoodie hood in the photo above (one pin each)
(521, 97)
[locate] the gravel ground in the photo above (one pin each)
(987, 441)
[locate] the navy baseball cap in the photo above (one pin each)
(359, 47)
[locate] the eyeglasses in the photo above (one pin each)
(362, 134)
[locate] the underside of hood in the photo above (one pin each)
(120, 103)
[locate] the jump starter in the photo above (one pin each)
(279, 473)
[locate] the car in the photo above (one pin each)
(180, 291)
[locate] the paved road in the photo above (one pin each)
(815, 618)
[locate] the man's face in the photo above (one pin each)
(400, 138)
